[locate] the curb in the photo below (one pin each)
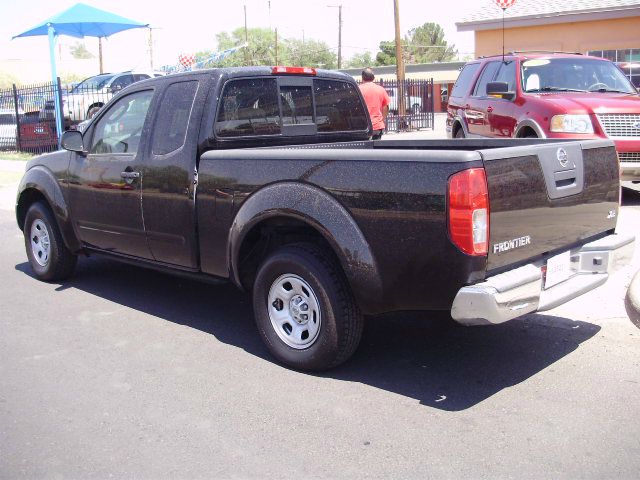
(632, 300)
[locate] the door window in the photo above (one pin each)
(121, 82)
(463, 84)
(485, 77)
(249, 107)
(120, 128)
(507, 74)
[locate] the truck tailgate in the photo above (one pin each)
(545, 198)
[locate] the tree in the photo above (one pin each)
(360, 60)
(79, 51)
(423, 44)
(261, 50)
(426, 44)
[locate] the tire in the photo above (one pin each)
(530, 135)
(460, 133)
(290, 278)
(49, 257)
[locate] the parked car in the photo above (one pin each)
(543, 95)
(8, 129)
(413, 104)
(87, 97)
(163, 177)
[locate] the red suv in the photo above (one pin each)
(548, 95)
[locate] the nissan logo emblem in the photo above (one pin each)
(562, 157)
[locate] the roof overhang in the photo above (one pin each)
(551, 18)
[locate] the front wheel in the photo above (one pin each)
(49, 257)
(304, 309)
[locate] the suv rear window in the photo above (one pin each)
(461, 88)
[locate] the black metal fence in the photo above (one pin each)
(22, 124)
(419, 106)
(27, 113)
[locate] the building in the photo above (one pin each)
(605, 28)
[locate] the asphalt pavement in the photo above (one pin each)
(128, 373)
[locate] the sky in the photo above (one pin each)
(190, 25)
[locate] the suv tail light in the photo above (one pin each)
(469, 211)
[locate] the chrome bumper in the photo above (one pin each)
(520, 291)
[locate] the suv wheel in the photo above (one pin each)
(304, 309)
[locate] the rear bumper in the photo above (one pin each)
(520, 291)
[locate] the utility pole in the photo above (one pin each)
(151, 48)
(276, 45)
(246, 38)
(399, 61)
(339, 7)
(100, 54)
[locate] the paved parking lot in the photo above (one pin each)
(122, 372)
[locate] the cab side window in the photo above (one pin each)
(173, 115)
(249, 107)
(120, 128)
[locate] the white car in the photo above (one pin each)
(85, 99)
(8, 129)
(412, 105)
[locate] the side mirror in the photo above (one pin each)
(500, 90)
(115, 88)
(72, 141)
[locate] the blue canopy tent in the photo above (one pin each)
(78, 21)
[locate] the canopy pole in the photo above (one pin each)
(54, 80)
(100, 53)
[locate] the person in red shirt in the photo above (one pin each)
(377, 100)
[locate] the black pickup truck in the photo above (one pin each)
(266, 177)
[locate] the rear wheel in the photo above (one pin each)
(49, 257)
(304, 309)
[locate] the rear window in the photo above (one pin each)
(249, 107)
(461, 88)
(338, 107)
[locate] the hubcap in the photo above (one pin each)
(40, 245)
(294, 311)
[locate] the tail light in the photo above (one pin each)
(294, 70)
(469, 211)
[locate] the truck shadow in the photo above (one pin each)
(419, 355)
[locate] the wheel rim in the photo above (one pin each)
(40, 244)
(294, 311)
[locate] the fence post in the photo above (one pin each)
(15, 102)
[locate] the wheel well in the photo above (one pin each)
(269, 235)
(27, 198)
(527, 132)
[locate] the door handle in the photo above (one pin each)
(129, 177)
(489, 109)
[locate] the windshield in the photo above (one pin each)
(573, 75)
(92, 83)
